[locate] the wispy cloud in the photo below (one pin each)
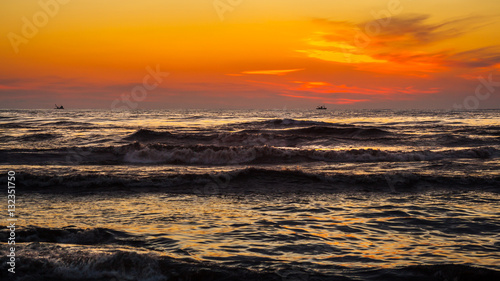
(326, 100)
(404, 44)
(408, 31)
(272, 72)
(327, 88)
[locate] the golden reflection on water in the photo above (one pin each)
(364, 231)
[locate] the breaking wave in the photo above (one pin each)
(212, 155)
(260, 136)
(71, 235)
(155, 153)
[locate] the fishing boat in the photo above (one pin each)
(321, 107)
(59, 107)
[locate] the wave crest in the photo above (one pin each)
(213, 155)
(70, 235)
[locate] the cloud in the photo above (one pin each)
(328, 89)
(341, 57)
(414, 30)
(327, 100)
(477, 58)
(401, 45)
(272, 72)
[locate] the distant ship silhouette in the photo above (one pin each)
(59, 107)
(321, 107)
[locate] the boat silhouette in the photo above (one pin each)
(59, 107)
(321, 107)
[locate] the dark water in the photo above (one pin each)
(253, 195)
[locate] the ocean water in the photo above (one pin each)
(253, 194)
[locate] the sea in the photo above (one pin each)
(250, 194)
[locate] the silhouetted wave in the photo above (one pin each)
(52, 262)
(71, 235)
(342, 132)
(248, 180)
(231, 155)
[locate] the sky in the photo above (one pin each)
(246, 54)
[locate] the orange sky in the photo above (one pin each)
(250, 54)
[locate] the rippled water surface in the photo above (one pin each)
(254, 195)
(348, 230)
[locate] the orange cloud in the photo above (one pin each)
(402, 45)
(327, 100)
(327, 88)
(272, 72)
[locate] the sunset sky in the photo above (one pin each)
(250, 54)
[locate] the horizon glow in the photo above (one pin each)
(396, 54)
